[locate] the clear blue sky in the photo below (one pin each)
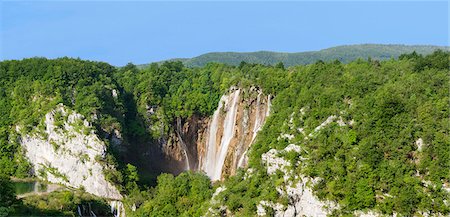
(142, 32)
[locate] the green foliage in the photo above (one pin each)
(8, 200)
(184, 195)
(244, 193)
(30, 88)
(55, 172)
(131, 177)
(372, 164)
(61, 203)
(344, 54)
(163, 93)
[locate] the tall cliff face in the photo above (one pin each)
(218, 145)
(68, 151)
(231, 131)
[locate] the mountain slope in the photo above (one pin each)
(338, 139)
(344, 54)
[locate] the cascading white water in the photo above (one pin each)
(209, 164)
(228, 132)
(117, 208)
(188, 166)
(225, 132)
(215, 156)
(183, 145)
(257, 124)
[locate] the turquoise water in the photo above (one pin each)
(29, 186)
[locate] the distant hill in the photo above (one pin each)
(344, 54)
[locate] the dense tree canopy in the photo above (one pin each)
(184, 195)
(7, 196)
(375, 163)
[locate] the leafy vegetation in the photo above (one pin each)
(170, 90)
(344, 54)
(8, 199)
(61, 203)
(373, 164)
(184, 195)
(32, 87)
(57, 203)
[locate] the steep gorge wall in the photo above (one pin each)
(68, 151)
(185, 144)
(218, 145)
(232, 130)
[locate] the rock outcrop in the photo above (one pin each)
(218, 145)
(67, 151)
(302, 201)
(231, 130)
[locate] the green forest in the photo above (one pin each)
(373, 164)
(344, 54)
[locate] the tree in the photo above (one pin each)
(279, 65)
(7, 196)
(131, 177)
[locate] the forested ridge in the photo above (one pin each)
(373, 164)
(345, 54)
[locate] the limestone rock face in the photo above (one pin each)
(218, 144)
(231, 131)
(68, 152)
(302, 201)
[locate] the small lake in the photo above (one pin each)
(34, 187)
(23, 187)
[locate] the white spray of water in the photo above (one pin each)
(215, 156)
(218, 143)
(257, 124)
(209, 165)
(242, 160)
(183, 145)
(117, 208)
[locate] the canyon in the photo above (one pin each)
(68, 151)
(218, 145)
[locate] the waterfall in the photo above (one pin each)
(242, 160)
(215, 156)
(117, 208)
(36, 187)
(209, 164)
(228, 132)
(188, 166)
(183, 145)
(87, 212)
(229, 136)
(257, 124)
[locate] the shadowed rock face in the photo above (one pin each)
(68, 153)
(232, 130)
